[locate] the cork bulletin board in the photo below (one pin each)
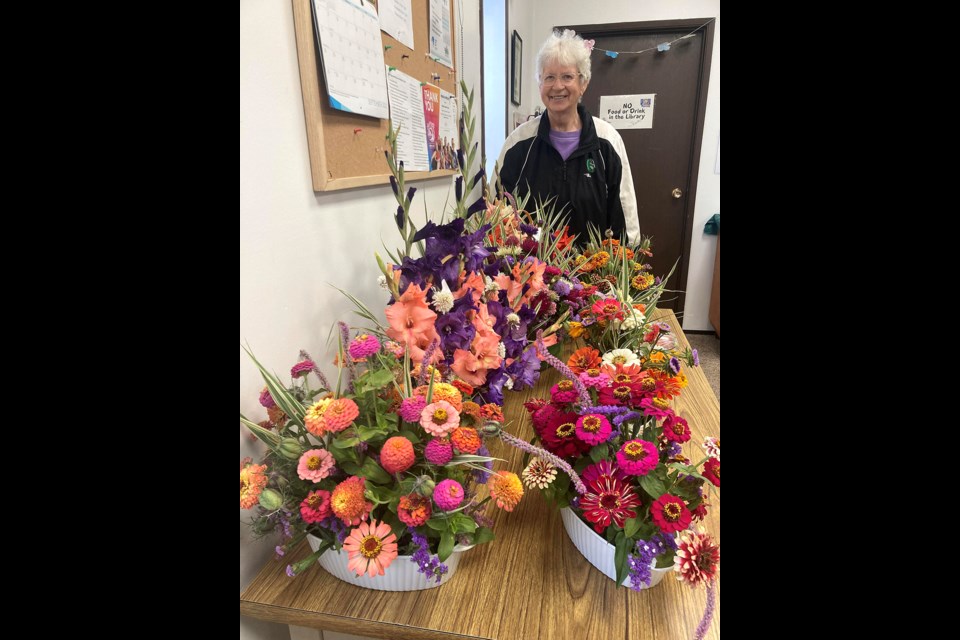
(341, 157)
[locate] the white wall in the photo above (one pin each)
(536, 19)
(294, 243)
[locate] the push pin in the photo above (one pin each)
(357, 130)
(404, 57)
(389, 46)
(435, 76)
(391, 68)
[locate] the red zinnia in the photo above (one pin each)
(711, 471)
(670, 513)
(608, 499)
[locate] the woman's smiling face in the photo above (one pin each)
(560, 88)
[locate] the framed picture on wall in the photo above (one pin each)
(516, 69)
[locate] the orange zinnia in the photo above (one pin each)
(583, 359)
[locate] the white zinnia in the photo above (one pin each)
(620, 356)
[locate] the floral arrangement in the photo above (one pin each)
(389, 460)
(610, 419)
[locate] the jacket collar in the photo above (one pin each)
(588, 135)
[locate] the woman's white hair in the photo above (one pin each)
(565, 48)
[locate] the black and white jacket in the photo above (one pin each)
(594, 183)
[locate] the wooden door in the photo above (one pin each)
(664, 159)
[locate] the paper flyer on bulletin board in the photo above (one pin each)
(431, 117)
(396, 18)
(406, 112)
(440, 32)
(448, 126)
(352, 54)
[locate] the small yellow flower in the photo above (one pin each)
(575, 329)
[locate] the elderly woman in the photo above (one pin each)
(567, 153)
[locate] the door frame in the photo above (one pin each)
(700, 111)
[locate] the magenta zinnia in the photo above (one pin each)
(637, 457)
(315, 507)
(670, 513)
(593, 429)
(608, 499)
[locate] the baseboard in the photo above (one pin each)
(700, 332)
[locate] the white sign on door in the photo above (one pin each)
(628, 112)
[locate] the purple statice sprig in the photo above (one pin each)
(427, 358)
(582, 393)
(323, 379)
(429, 564)
(641, 560)
(523, 445)
(707, 612)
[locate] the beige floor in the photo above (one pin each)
(708, 348)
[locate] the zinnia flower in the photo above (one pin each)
(711, 471)
(448, 494)
(676, 429)
(438, 452)
(313, 419)
(371, 548)
(348, 502)
(315, 465)
(252, 481)
(608, 499)
(266, 400)
(637, 457)
(625, 357)
(466, 439)
(414, 510)
(410, 408)
(583, 359)
(593, 429)
(697, 558)
(670, 513)
(442, 391)
(539, 474)
(302, 369)
(563, 392)
(340, 414)
(506, 489)
(363, 346)
(712, 446)
(397, 455)
(439, 418)
(315, 507)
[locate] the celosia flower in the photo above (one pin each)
(439, 418)
(252, 481)
(363, 346)
(593, 429)
(506, 489)
(676, 429)
(302, 369)
(371, 548)
(448, 494)
(637, 457)
(465, 439)
(697, 558)
(670, 513)
(539, 474)
(348, 502)
(414, 510)
(396, 455)
(315, 507)
(438, 452)
(315, 465)
(711, 471)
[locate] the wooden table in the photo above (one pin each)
(529, 583)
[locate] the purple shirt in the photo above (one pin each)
(565, 142)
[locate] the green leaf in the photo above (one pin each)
(411, 436)
(352, 468)
(599, 452)
(374, 472)
(446, 546)
(437, 525)
(345, 457)
(377, 379)
(653, 486)
(631, 526)
(622, 556)
(483, 534)
(344, 442)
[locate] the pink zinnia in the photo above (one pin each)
(670, 513)
(697, 558)
(371, 548)
(563, 392)
(301, 369)
(315, 507)
(593, 429)
(438, 452)
(397, 455)
(656, 407)
(363, 346)
(439, 418)
(266, 400)
(637, 457)
(410, 408)
(594, 378)
(315, 465)
(340, 414)
(676, 429)
(448, 494)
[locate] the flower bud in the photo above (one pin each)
(271, 500)
(492, 428)
(290, 448)
(425, 486)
